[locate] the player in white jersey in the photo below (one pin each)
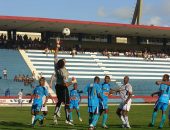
(125, 92)
(44, 109)
(20, 95)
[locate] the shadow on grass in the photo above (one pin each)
(13, 124)
(65, 126)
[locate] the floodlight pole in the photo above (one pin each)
(137, 13)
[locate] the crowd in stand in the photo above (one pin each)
(149, 56)
(26, 42)
(23, 42)
(110, 53)
(24, 78)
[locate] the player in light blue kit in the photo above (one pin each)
(75, 99)
(162, 102)
(37, 97)
(105, 92)
(93, 90)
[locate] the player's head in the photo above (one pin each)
(126, 79)
(165, 77)
(75, 86)
(96, 79)
(64, 60)
(42, 81)
(60, 64)
(107, 79)
(21, 90)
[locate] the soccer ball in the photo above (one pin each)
(66, 32)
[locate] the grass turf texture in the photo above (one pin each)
(15, 118)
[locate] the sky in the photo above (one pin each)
(154, 12)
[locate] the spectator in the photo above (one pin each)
(5, 73)
(7, 92)
(20, 95)
(73, 52)
(46, 51)
(15, 78)
(33, 75)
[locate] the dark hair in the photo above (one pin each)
(126, 77)
(107, 77)
(167, 76)
(60, 64)
(96, 78)
(42, 78)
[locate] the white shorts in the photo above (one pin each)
(125, 107)
(44, 108)
(20, 101)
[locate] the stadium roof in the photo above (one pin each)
(33, 24)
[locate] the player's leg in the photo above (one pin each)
(126, 109)
(90, 114)
(154, 114)
(58, 108)
(58, 104)
(162, 119)
(105, 114)
(33, 116)
(71, 110)
(21, 102)
(77, 108)
(66, 101)
(163, 108)
(67, 115)
(119, 113)
(67, 104)
(125, 115)
(78, 114)
(33, 113)
(38, 117)
(95, 117)
(44, 110)
(169, 116)
(105, 117)
(45, 113)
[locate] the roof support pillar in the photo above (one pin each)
(9, 35)
(80, 36)
(45, 36)
(164, 41)
(109, 39)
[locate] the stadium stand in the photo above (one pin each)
(93, 64)
(14, 63)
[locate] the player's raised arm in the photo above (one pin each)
(55, 60)
(56, 50)
(51, 80)
(163, 82)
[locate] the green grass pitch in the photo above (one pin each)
(16, 118)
